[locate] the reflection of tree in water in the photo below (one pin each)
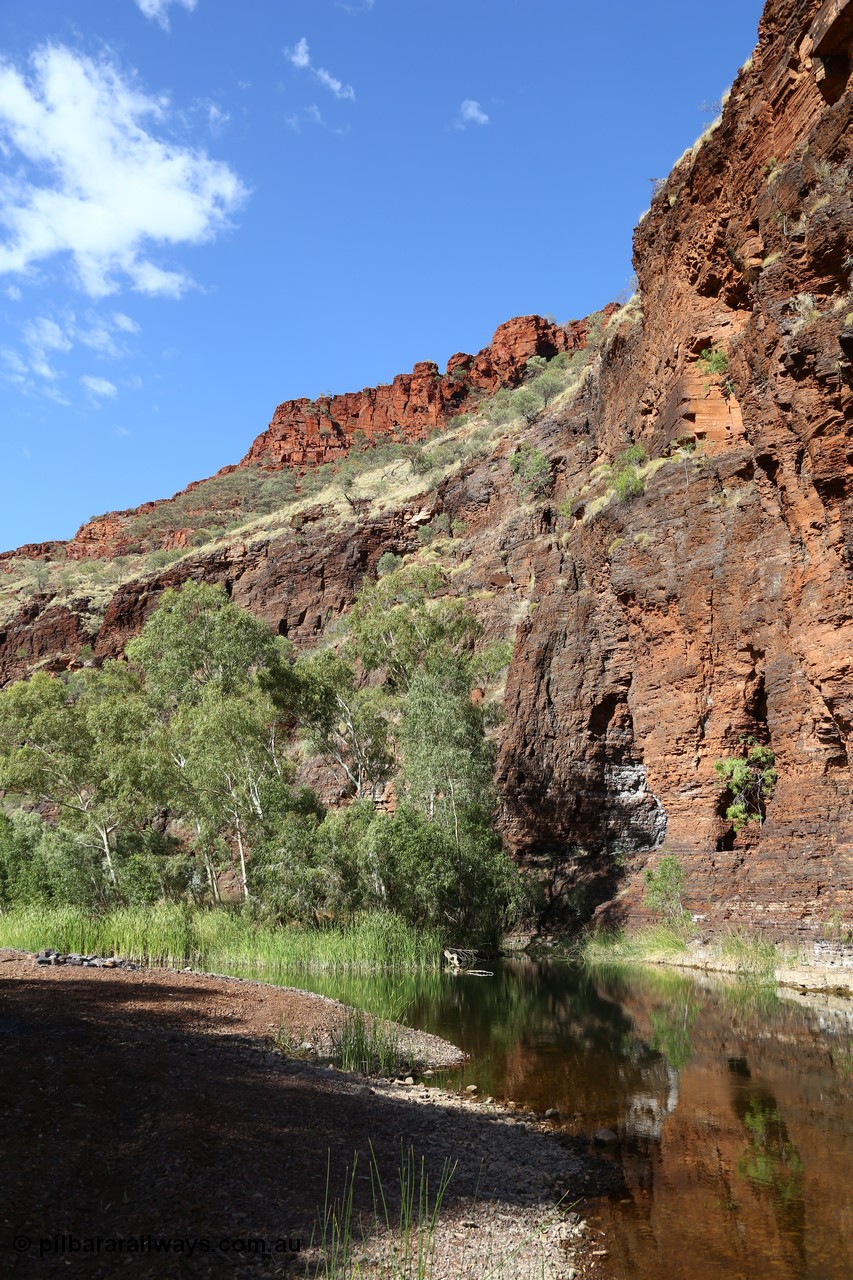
(770, 1161)
(842, 1057)
(672, 1030)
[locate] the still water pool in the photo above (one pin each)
(733, 1107)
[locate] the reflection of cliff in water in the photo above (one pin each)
(750, 1173)
(733, 1108)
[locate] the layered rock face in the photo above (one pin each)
(651, 634)
(719, 604)
(306, 433)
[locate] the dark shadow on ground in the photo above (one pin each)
(120, 1122)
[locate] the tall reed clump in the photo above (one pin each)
(411, 1232)
(403, 1242)
(665, 941)
(368, 1045)
(177, 934)
(754, 958)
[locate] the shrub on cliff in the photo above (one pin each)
(665, 889)
(625, 475)
(750, 780)
(531, 470)
(387, 563)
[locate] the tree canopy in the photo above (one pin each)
(174, 773)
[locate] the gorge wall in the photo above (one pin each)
(650, 635)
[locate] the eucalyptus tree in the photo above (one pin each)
(446, 757)
(401, 618)
(197, 639)
(72, 743)
(347, 722)
(230, 773)
(207, 665)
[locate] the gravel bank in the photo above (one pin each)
(150, 1105)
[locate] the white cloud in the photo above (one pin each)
(311, 115)
(123, 431)
(471, 113)
(159, 9)
(31, 369)
(99, 387)
(123, 322)
(15, 363)
(40, 337)
(216, 117)
(14, 293)
(300, 57)
(94, 183)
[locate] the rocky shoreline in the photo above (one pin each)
(219, 1126)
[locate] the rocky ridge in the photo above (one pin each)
(650, 634)
(310, 433)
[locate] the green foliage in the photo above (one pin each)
(490, 661)
(628, 484)
(196, 638)
(500, 407)
(397, 621)
(672, 1029)
(388, 563)
(71, 744)
(665, 889)
(548, 386)
(467, 888)
(223, 940)
(527, 403)
(177, 767)
(412, 1231)
(771, 1160)
(625, 475)
(43, 866)
(222, 502)
(753, 957)
(595, 328)
(714, 361)
(750, 779)
(347, 723)
(531, 470)
(367, 1045)
(447, 762)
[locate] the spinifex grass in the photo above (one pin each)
(222, 939)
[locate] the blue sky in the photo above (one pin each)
(208, 207)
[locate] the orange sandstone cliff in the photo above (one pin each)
(650, 634)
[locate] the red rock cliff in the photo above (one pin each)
(650, 634)
(305, 433)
